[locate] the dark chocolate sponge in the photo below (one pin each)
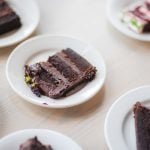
(142, 125)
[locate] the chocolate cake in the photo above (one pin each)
(61, 73)
(137, 17)
(9, 20)
(142, 125)
(34, 144)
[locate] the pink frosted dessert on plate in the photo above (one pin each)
(137, 17)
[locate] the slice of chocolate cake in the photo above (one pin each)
(142, 126)
(34, 144)
(61, 73)
(9, 20)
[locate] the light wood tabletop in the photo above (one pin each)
(127, 61)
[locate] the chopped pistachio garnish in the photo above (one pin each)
(33, 85)
(28, 79)
(135, 23)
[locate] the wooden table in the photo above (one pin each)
(128, 65)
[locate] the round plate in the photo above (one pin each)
(29, 14)
(114, 9)
(57, 140)
(39, 49)
(119, 123)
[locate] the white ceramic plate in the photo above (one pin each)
(29, 15)
(57, 140)
(38, 49)
(114, 8)
(119, 122)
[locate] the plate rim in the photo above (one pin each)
(40, 130)
(30, 33)
(114, 104)
(54, 106)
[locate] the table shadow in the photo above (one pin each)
(85, 109)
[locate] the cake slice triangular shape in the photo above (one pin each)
(142, 126)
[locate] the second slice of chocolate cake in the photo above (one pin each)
(9, 20)
(142, 125)
(61, 73)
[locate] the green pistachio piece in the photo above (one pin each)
(135, 23)
(28, 79)
(33, 85)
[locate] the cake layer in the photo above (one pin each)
(142, 125)
(63, 68)
(52, 83)
(85, 69)
(80, 65)
(47, 79)
(3, 4)
(5, 11)
(79, 61)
